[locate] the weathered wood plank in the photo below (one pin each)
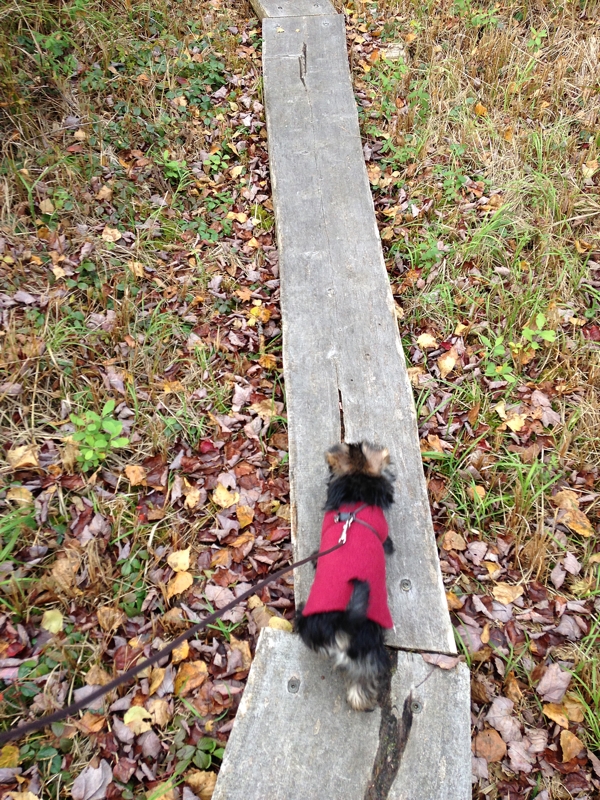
(343, 360)
(294, 736)
(292, 8)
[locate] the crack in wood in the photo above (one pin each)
(302, 63)
(341, 408)
(393, 738)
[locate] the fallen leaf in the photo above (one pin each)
(516, 422)
(268, 361)
(164, 791)
(508, 135)
(500, 717)
(109, 617)
(193, 496)
(242, 646)
(92, 783)
(179, 584)
(190, 675)
(590, 168)
(9, 756)
(447, 362)
(570, 745)
(245, 515)
(578, 522)
(160, 711)
(136, 720)
(506, 593)
(137, 268)
(110, 234)
(47, 207)
(105, 193)
(223, 497)
(556, 713)
(440, 660)
(19, 495)
(473, 491)
(454, 602)
(426, 341)
(566, 499)
(201, 783)
(22, 796)
(480, 110)
(573, 708)
(267, 409)
(158, 676)
(179, 561)
(454, 541)
(554, 684)
(52, 621)
(24, 457)
(281, 624)
(180, 653)
(96, 676)
(490, 745)
(136, 475)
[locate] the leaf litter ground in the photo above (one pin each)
(140, 303)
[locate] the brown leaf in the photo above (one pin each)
(160, 711)
(480, 110)
(245, 515)
(180, 653)
(96, 676)
(109, 617)
(201, 783)
(454, 602)
(578, 522)
(447, 362)
(570, 745)
(454, 541)
(489, 745)
(190, 675)
(136, 475)
(573, 708)
(440, 660)
(566, 499)
(24, 457)
(244, 648)
(554, 684)
(111, 234)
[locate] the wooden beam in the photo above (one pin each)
(292, 8)
(295, 737)
(345, 373)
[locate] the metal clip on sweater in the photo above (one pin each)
(347, 518)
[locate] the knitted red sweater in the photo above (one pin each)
(361, 557)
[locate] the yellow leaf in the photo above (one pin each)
(160, 711)
(80, 135)
(500, 409)
(281, 624)
(135, 719)
(47, 207)
(192, 498)
(52, 621)
(480, 110)
(19, 495)
(268, 361)
(224, 498)
(582, 247)
(190, 675)
(461, 329)
(556, 713)
(410, 37)
(173, 387)
(158, 675)
(22, 796)
(245, 515)
(9, 756)
(260, 313)
(573, 708)
(244, 648)
(135, 475)
(253, 242)
(426, 341)
(476, 491)
(506, 593)
(105, 193)
(594, 559)
(516, 422)
(137, 268)
(590, 168)
(570, 745)
(578, 522)
(109, 617)
(179, 561)
(222, 558)
(454, 602)
(284, 512)
(111, 234)
(179, 584)
(243, 539)
(447, 362)
(180, 653)
(508, 135)
(90, 723)
(24, 457)
(235, 172)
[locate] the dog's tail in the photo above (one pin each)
(359, 601)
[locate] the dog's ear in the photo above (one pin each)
(376, 459)
(338, 458)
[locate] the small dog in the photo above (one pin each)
(347, 612)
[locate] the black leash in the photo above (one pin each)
(63, 713)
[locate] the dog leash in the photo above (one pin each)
(74, 708)
(348, 517)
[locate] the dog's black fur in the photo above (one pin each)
(358, 474)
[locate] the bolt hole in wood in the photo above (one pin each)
(405, 585)
(293, 685)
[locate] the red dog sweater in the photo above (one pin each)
(360, 558)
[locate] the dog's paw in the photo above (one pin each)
(361, 698)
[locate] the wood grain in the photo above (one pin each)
(345, 372)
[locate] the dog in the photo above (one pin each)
(346, 613)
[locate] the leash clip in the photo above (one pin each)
(347, 518)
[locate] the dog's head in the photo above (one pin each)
(357, 459)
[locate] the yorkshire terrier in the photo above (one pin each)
(346, 613)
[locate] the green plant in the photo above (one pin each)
(98, 434)
(537, 38)
(532, 335)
